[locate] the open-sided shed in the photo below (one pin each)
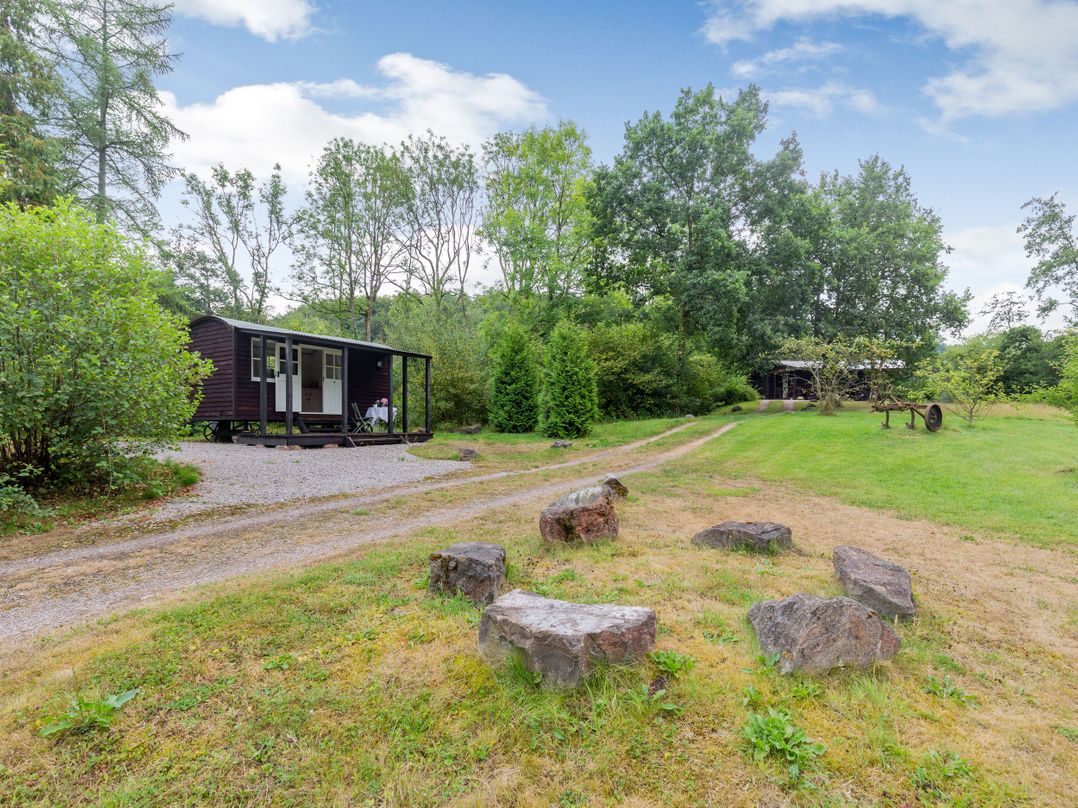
(254, 387)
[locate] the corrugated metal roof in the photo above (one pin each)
(270, 330)
(799, 364)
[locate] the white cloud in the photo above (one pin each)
(803, 50)
(269, 19)
(258, 125)
(1020, 54)
(820, 101)
(989, 260)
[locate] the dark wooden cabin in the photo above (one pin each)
(247, 400)
(792, 378)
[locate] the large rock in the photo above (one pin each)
(562, 640)
(881, 585)
(587, 515)
(814, 634)
(763, 537)
(467, 453)
(471, 568)
(616, 486)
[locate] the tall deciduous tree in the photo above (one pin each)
(536, 211)
(238, 227)
(1005, 310)
(882, 261)
(352, 232)
(442, 216)
(1050, 237)
(110, 53)
(680, 212)
(29, 90)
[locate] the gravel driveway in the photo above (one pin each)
(253, 475)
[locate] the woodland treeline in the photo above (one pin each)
(686, 261)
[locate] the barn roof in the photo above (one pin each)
(273, 331)
(801, 364)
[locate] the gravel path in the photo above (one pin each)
(73, 585)
(253, 475)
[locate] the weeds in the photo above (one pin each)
(86, 715)
(947, 689)
(937, 770)
(672, 663)
(776, 736)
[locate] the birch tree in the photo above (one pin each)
(240, 226)
(352, 233)
(442, 215)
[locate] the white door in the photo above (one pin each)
(331, 382)
(297, 380)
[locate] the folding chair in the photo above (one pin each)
(360, 422)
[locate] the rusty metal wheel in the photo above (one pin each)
(933, 417)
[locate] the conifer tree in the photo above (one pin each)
(569, 404)
(514, 398)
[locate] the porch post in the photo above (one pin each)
(344, 390)
(288, 367)
(404, 394)
(426, 392)
(262, 386)
(389, 398)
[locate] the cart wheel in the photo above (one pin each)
(933, 417)
(209, 431)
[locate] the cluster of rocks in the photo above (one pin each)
(814, 634)
(562, 641)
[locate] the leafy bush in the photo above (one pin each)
(86, 715)
(775, 735)
(965, 378)
(514, 395)
(459, 367)
(16, 506)
(92, 369)
(1065, 394)
(569, 403)
(635, 369)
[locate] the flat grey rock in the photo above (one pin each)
(471, 568)
(473, 429)
(583, 516)
(879, 584)
(815, 635)
(761, 537)
(562, 640)
(467, 453)
(561, 444)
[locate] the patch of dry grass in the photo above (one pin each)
(347, 684)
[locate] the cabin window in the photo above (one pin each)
(333, 365)
(256, 360)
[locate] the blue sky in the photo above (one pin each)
(977, 98)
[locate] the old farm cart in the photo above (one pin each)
(931, 414)
(273, 387)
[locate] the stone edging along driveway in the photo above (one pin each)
(75, 585)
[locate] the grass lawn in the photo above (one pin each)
(504, 451)
(1015, 473)
(348, 684)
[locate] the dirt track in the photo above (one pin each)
(68, 586)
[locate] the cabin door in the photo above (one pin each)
(331, 382)
(297, 379)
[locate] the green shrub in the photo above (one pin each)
(636, 370)
(671, 662)
(569, 403)
(92, 369)
(514, 394)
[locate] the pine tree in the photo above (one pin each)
(111, 115)
(569, 403)
(514, 398)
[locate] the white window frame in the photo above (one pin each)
(337, 366)
(271, 355)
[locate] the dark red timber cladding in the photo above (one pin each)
(212, 339)
(366, 381)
